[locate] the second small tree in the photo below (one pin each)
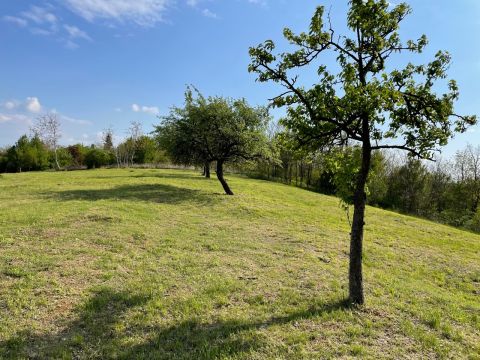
(213, 129)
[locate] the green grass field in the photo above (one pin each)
(159, 264)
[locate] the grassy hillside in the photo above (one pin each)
(158, 264)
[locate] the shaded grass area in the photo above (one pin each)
(158, 264)
(157, 193)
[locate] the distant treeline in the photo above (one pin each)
(32, 154)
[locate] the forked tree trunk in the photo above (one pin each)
(356, 236)
(222, 179)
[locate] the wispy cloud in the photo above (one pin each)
(44, 22)
(10, 104)
(76, 121)
(40, 31)
(40, 15)
(192, 3)
(141, 12)
(75, 33)
(16, 118)
(208, 13)
(16, 20)
(145, 109)
(258, 2)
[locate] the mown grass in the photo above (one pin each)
(158, 264)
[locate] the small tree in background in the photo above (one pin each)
(26, 155)
(363, 102)
(47, 128)
(214, 129)
(77, 153)
(182, 139)
(107, 139)
(135, 132)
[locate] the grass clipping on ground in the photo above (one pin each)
(158, 264)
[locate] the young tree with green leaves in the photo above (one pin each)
(363, 102)
(107, 139)
(26, 155)
(214, 129)
(180, 136)
(47, 128)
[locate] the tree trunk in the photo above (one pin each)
(356, 236)
(56, 159)
(476, 201)
(221, 178)
(206, 170)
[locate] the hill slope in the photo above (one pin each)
(159, 264)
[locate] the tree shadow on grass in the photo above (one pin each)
(91, 332)
(99, 333)
(173, 174)
(157, 193)
(193, 339)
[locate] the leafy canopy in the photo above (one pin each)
(401, 106)
(213, 129)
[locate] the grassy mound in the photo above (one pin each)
(159, 264)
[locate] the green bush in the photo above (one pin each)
(474, 223)
(95, 158)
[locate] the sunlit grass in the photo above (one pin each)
(159, 264)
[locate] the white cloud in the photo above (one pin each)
(42, 21)
(16, 20)
(5, 118)
(258, 2)
(75, 33)
(76, 121)
(10, 104)
(208, 13)
(33, 105)
(40, 15)
(141, 12)
(151, 110)
(40, 31)
(19, 118)
(146, 109)
(192, 3)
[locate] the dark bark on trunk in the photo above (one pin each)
(206, 170)
(476, 200)
(356, 236)
(309, 176)
(222, 179)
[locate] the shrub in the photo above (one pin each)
(96, 158)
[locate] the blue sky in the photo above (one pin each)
(101, 63)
